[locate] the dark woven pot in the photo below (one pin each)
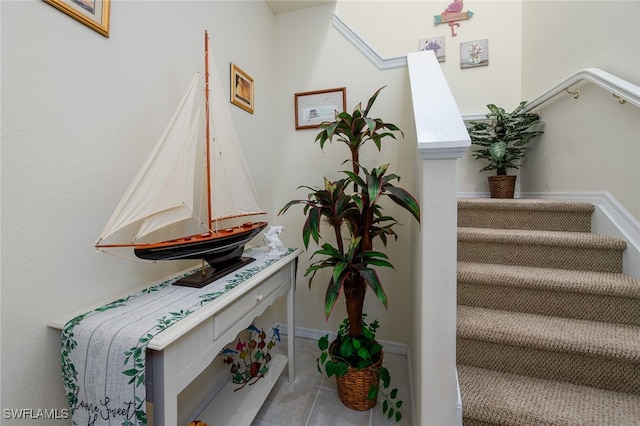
(502, 186)
(353, 387)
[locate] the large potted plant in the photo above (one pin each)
(351, 206)
(502, 139)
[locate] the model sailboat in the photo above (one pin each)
(163, 192)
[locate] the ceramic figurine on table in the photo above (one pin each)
(272, 240)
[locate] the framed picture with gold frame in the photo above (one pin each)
(313, 108)
(92, 13)
(241, 89)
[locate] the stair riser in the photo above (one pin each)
(531, 220)
(541, 256)
(619, 310)
(580, 369)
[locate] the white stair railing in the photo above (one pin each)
(623, 90)
(441, 139)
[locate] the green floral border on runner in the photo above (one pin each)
(134, 365)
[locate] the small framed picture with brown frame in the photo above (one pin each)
(241, 89)
(314, 108)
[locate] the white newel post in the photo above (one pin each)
(441, 138)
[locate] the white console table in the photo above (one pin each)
(177, 355)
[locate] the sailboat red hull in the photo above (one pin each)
(215, 247)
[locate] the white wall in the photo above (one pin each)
(79, 115)
(406, 22)
(318, 57)
(591, 143)
(393, 28)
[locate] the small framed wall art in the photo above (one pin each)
(313, 108)
(93, 13)
(434, 43)
(474, 53)
(241, 89)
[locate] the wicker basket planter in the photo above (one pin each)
(502, 186)
(353, 387)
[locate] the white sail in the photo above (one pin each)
(162, 191)
(232, 191)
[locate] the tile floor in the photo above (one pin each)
(312, 399)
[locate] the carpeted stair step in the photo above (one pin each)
(597, 296)
(496, 398)
(589, 353)
(544, 249)
(522, 213)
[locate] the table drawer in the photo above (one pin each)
(250, 301)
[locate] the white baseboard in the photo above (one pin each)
(314, 334)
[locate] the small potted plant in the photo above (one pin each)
(502, 139)
(351, 207)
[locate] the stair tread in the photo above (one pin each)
(525, 204)
(562, 355)
(504, 398)
(577, 281)
(594, 338)
(533, 237)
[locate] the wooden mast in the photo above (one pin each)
(208, 131)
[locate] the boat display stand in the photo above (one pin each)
(207, 274)
(179, 354)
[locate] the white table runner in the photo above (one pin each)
(103, 351)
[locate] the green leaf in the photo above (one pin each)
(385, 377)
(341, 369)
(339, 270)
(404, 199)
(374, 185)
(498, 150)
(375, 348)
(371, 277)
(355, 178)
(346, 348)
(372, 99)
(312, 226)
(131, 372)
(323, 342)
(373, 392)
(364, 354)
(353, 248)
(333, 292)
(367, 333)
(330, 368)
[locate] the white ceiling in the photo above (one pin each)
(283, 6)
